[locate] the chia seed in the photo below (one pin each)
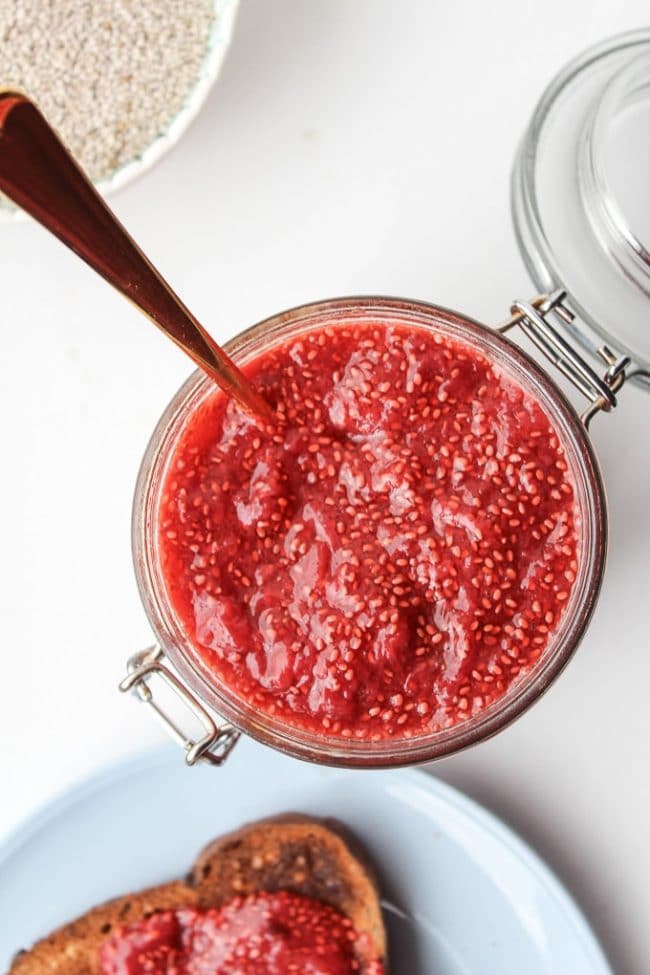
(109, 75)
(404, 568)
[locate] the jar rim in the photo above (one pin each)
(391, 752)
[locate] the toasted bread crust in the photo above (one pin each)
(296, 853)
(73, 948)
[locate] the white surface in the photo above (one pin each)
(492, 908)
(349, 147)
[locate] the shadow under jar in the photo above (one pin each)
(488, 647)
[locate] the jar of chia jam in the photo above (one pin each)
(403, 560)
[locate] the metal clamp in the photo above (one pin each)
(218, 740)
(534, 320)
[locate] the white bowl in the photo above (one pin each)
(225, 12)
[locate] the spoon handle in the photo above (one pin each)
(38, 173)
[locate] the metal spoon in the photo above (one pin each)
(39, 175)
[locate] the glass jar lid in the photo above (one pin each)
(581, 196)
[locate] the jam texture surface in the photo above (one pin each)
(262, 934)
(392, 554)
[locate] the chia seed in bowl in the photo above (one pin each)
(120, 80)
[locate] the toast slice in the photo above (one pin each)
(312, 857)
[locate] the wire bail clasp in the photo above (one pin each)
(535, 318)
(218, 740)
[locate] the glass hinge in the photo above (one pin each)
(218, 740)
(539, 320)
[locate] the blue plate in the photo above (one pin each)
(463, 895)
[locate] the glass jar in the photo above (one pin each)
(606, 82)
(581, 198)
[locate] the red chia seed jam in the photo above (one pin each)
(262, 934)
(392, 555)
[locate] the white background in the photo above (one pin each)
(359, 146)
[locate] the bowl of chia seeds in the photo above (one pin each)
(120, 80)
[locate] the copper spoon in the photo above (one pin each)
(39, 175)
